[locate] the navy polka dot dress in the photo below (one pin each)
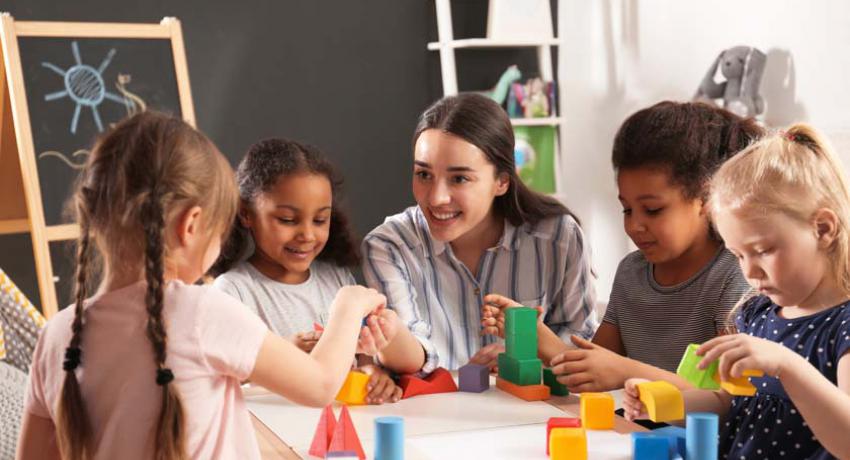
(767, 425)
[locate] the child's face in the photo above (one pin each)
(657, 216)
(290, 223)
(781, 257)
(454, 184)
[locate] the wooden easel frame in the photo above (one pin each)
(21, 208)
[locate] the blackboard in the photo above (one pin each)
(76, 88)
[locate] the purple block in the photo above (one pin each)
(474, 378)
(342, 454)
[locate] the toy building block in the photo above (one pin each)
(648, 446)
(597, 411)
(520, 320)
(739, 386)
(440, 381)
(556, 388)
(676, 439)
(559, 422)
(526, 392)
(520, 371)
(318, 327)
(345, 436)
(568, 444)
(473, 378)
(389, 438)
(353, 391)
(324, 432)
(343, 455)
(521, 345)
(701, 436)
(700, 378)
(663, 401)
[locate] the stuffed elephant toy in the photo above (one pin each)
(742, 66)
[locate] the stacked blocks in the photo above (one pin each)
(597, 411)
(675, 437)
(688, 370)
(474, 378)
(648, 446)
(440, 381)
(389, 438)
(555, 387)
(701, 436)
(663, 401)
(345, 436)
(568, 444)
(324, 433)
(353, 390)
(336, 439)
(559, 422)
(739, 386)
(519, 367)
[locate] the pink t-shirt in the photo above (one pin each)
(213, 342)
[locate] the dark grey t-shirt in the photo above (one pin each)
(657, 322)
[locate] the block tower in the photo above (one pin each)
(519, 368)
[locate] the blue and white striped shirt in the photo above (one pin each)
(437, 297)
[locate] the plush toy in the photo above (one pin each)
(500, 92)
(742, 66)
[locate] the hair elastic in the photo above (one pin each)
(72, 358)
(164, 376)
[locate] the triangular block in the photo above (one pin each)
(440, 381)
(412, 386)
(345, 436)
(324, 433)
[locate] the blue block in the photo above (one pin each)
(676, 437)
(647, 446)
(389, 438)
(701, 436)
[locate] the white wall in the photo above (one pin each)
(619, 56)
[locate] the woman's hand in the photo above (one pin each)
(488, 356)
(493, 314)
(381, 328)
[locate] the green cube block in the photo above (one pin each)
(555, 387)
(520, 320)
(520, 371)
(699, 378)
(521, 346)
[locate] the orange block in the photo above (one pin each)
(663, 401)
(526, 392)
(440, 381)
(345, 436)
(324, 433)
(597, 411)
(353, 391)
(568, 444)
(740, 386)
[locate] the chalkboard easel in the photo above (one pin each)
(90, 93)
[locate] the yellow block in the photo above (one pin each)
(663, 401)
(353, 391)
(568, 444)
(740, 386)
(597, 411)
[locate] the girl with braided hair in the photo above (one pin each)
(149, 366)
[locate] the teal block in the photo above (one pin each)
(699, 378)
(520, 320)
(521, 346)
(520, 371)
(556, 388)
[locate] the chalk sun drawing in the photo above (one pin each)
(84, 85)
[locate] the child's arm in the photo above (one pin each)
(37, 439)
(717, 402)
(395, 346)
(314, 379)
(824, 407)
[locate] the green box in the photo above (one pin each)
(520, 371)
(555, 387)
(520, 320)
(699, 378)
(521, 346)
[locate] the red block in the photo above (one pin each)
(324, 433)
(560, 422)
(440, 381)
(345, 436)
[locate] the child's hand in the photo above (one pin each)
(306, 341)
(488, 356)
(379, 331)
(493, 314)
(589, 367)
(633, 408)
(381, 387)
(362, 299)
(740, 352)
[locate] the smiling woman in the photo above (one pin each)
(476, 230)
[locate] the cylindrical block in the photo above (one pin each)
(389, 438)
(701, 436)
